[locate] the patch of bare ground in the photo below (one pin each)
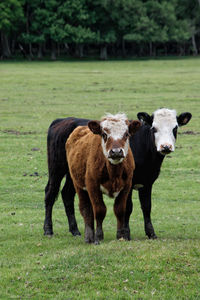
(16, 132)
(189, 132)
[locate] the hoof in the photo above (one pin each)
(123, 233)
(73, 228)
(97, 242)
(75, 232)
(89, 235)
(99, 235)
(152, 236)
(149, 230)
(48, 234)
(127, 235)
(89, 240)
(48, 231)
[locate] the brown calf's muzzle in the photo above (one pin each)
(116, 153)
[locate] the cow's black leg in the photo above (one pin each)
(145, 200)
(129, 208)
(51, 192)
(68, 193)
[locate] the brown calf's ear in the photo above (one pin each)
(134, 127)
(95, 127)
(184, 118)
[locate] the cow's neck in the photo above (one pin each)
(114, 170)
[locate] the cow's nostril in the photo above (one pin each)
(166, 149)
(116, 153)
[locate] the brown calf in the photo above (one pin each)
(100, 161)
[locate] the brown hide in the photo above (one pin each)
(90, 170)
(88, 163)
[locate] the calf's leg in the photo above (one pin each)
(129, 209)
(68, 194)
(87, 213)
(99, 210)
(145, 200)
(100, 213)
(120, 209)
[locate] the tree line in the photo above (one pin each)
(77, 28)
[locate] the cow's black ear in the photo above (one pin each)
(95, 127)
(184, 118)
(145, 118)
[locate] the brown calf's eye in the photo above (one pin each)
(104, 135)
(127, 135)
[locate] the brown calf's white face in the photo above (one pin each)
(115, 131)
(115, 134)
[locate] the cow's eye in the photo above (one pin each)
(175, 131)
(126, 135)
(154, 130)
(104, 136)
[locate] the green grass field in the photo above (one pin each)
(32, 266)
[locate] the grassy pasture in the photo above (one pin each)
(32, 94)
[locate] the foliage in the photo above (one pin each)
(95, 23)
(11, 14)
(32, 266)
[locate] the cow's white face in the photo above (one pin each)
(164, 124)
(165, 127)
(115, 131)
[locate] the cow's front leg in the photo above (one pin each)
(87, 213)
(145, 200)
(120, 209)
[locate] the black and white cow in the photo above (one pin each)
(152, 142)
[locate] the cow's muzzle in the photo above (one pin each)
(165, 149)
(116, 153)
